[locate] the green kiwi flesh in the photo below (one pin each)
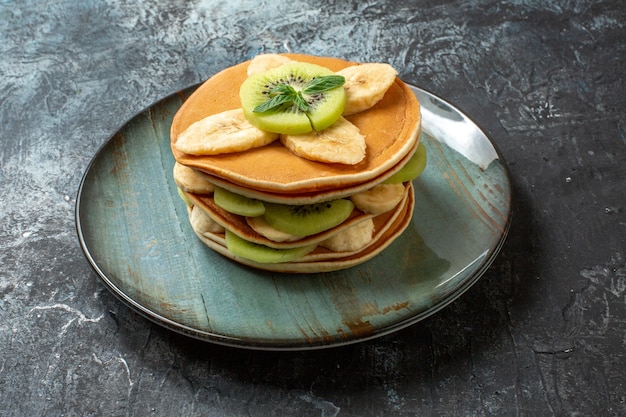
(182, 195)
(325, 108)
(238, 204)
(263, 254)
(412, 169)
(308, 219)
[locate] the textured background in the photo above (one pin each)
(542, 334)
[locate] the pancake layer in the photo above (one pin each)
(272, 173)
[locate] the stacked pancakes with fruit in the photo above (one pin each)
(298, 163)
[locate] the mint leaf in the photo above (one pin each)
(280, 94)
(273, 102)
(283, 89)
(324, 83)
(285, 94)
(299, 101)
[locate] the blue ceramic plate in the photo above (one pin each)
(134, 230)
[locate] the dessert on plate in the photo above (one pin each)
(299, 163)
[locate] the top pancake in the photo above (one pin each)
(391, 129)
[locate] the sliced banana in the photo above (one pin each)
(340, 143)
(259, 225)
(264, 62)
(191, 181)
(202, 223)
(379, 199)
(225, 132)
(351, 239)
(366, 84)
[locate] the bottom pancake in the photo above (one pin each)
(387, 227)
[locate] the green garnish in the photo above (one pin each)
(324, 83)
(286, 94)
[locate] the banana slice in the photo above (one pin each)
(340, 143)
(202, 223)
(351, 239)
(366, 84)
(191, 181)
(379, 199)
(259, 225)
(225, 132)
(264, 62)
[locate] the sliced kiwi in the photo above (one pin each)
(238, 204)
(182, 195)
(307, 219)
(412, 169)
(261, 253)
(323, 108)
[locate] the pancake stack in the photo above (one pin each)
(270, 202)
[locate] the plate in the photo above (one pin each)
(134, 231)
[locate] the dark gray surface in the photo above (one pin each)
(542, 334)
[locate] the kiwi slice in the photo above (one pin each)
(412, 169)
(182, 195)
(238, 204)
(307, 219)
(261, 253)
(300, 101)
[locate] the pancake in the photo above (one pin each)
(238, 224)
(391, 129)
(273, 174)
(307, 197)
(323, 260)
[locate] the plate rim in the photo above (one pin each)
(288, 344)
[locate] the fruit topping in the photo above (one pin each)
(238, 204)
(379, 199)
(225, 132)
(366, 84)
(293, 98)
(412, 169)
(263, 254)
(307, 219)
(340, 143)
